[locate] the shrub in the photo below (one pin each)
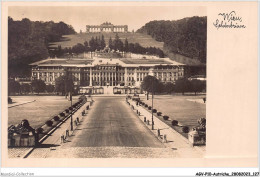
(165, 117)
(202, 121)
(10, 101)
(146, 105)
(159, 113)
(154, 110)
(202, 129)
(71, 108)
(39, 130)
(67, 111)
(49, 123)
(185, 129)
(174, 122)
(56, 118)
(62, 114)
(25, 123)
(149, 107)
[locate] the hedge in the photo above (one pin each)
(62, 114)
(165, 117)
(49, 123)
(185, 129)
(174, 122)
(56, 118)
(39, 130)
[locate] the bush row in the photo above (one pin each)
(185, 129)
(55, 120)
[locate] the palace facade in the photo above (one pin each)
(106, 27)
(100, 72)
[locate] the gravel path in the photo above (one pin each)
(105, 152)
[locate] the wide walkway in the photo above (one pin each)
(110, 129)
(112, 123)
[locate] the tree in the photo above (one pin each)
(97, 43)
(169, 87)
(64, 84)
(25, 88)
(79, 48)
(50, 88)
(92, 44)
(182, 85)
(131, 48)
(197, 86)
(103, 43)
(28, 42)
(86, 46)
(13, 86)
(150, 84)
(38, 86)
(120, 45)
(160, 53)
(110, 43)
(126, 48)
(117, 43)
(187, 36)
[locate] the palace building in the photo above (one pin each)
(106, 27)
(104, 72)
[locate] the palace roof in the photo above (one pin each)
(161, 61)
(129, 62)
(63, 62)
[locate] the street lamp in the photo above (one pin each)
(152, 77)
(71, 121)
(152, 105)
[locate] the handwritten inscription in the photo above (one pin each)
(229, 20)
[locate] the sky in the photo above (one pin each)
(80, 16)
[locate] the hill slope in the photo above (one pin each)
(28, 40)
(143, 39)
(186, 37)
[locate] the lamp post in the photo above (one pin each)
(71, 121)
(152, 105)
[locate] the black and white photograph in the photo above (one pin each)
(164, 87)
(107, 82)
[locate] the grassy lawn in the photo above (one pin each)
(142, 39)
(44, 108)
(180, 108)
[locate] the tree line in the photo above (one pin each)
(187, 36)
(28, 42)
(98, 43)
(183, 85)
(64, 84)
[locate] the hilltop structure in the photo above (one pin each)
(106, 27)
